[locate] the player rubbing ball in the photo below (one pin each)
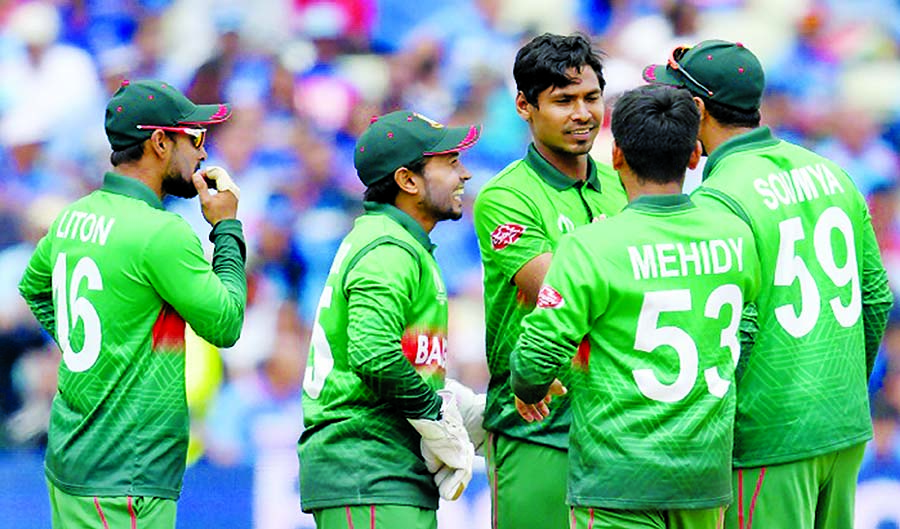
(650, 320)
(114, 281)
(383, 440)
(810, 341)
(520, 216)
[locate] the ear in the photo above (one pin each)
(157, 143)
(406, 181)
(523, 107)
(695, 156)
(618, 157)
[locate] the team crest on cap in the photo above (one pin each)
(506, 234)
(549, 298)
(430, 121)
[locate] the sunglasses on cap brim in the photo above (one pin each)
(673, 63)
(198, 136)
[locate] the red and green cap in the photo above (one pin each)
(154, 104)
(725, 72)
(399, 138)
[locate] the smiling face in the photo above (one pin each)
(184, 161)
(566, 120)
(444, 179)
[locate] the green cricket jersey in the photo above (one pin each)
(519, 214)
(114, 281)
(823, 306)
(377, 355)
(647, 306)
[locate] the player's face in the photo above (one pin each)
(185, 160)
(566, 120)
(444, 179)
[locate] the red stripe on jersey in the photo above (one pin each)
(372, 517)
(583, 355)
(168, 331)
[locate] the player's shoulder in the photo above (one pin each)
(512, 177)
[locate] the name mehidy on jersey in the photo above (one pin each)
(797, 185)
(86, 227)
(682, 258)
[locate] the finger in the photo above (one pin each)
(200, 185)
(542, 409)
(557, 388)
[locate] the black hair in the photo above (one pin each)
(656, 129)
(132, 153)
(385, 190)
(730, 116)
(545, 61)
(127, 155)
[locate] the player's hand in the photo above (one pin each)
(221, 205)
(471, 407)
(539, 410)
(445, 443)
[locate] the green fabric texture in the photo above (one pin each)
(377, 355)
(375, 517)
(115, 280)
(646, 306)
(91, 512)
(519, 214)
(822, 311)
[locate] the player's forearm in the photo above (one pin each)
(41, 305)
(876, 305)
(394, 380)
(228, 261)
(877, 297)
(529, 386)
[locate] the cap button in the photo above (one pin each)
(390, 135)
(125, 82)
(119, 108)
(150, 96)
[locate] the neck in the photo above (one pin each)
(575, 166)
(408, 204)
(639, 188)
(712, 135)
(141, 172)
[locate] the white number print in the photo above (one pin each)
(321, 360)
(69, 303)
(649, 336)
(790, 267)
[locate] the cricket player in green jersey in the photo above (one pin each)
(383, 440)
(647, 306)
(114, 281)
(812, 336)
(520, 215)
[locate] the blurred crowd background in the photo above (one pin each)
(304, 78)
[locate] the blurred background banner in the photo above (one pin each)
(304, 78)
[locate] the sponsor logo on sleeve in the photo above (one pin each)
(549, 298)
(506, 234)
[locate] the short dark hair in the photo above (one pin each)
(133, 153)
(656, 129)
(127, 155)
(545, 60)
(385, 190)
(730, 116)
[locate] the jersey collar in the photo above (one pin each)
(554, 176)
(756, 138)
(130, 187)
(661, 203)
(400, 217)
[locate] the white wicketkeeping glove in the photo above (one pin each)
(446, 448)
(471, 407)
(223, 180)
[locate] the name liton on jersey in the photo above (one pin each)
(679, 259)
(797, 185)
(86, 227)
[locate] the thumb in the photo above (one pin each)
(557, 388)
(200, 185)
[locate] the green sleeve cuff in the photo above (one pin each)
(233, 228)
